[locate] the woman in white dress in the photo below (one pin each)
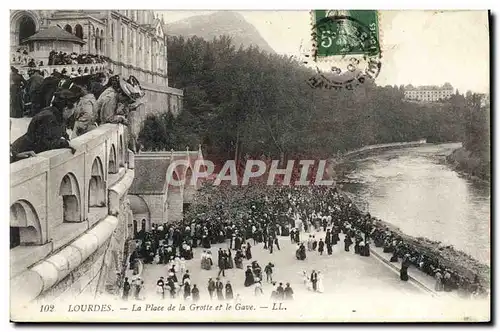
(203, 260)
(177, 266)
(182, 265)
(320, 287)
(307, 282)
(258, 288)
(305, 278)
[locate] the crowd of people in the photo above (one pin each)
(22, 57)
(259, 214)
(58, 103)
(172, 246)
(63, 58)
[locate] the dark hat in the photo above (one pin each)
(66, 94)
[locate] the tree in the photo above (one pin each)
(244, 101)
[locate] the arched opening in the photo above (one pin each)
(24, 225)
(79, 31)
(135, 228)
(68, 28)
(120, 152)
(97, 186)
(112, 165)
(96, 41)
(70, 193)
(27, 28)
(101, 41)
(140, 211)
(189, 190)
(188, 177)
(91, 39)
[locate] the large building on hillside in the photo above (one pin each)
(133, 41)
(135, 38)
(428, 92)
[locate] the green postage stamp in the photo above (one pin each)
(347, 42)
(345, 32)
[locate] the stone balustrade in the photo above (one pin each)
(76, 69)
(65, 206)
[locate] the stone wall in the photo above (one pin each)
(69, 246)
(156, 204)
(175, 204)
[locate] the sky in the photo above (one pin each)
(418, 47)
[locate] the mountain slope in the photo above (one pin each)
(220, 23)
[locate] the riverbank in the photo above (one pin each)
(470, 165)
(381, 147)
(465, 265)
(338, 164)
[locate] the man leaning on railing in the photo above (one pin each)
(47, 129)
(117, 102)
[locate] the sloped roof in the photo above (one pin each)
(54, 33)
(150, 176)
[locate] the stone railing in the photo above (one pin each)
(19, 58)
(75, 69)
(64, 208)
(377, 147)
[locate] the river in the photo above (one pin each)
(414, 189)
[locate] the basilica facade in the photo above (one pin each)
(134, 40)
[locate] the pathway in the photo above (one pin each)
(356, 289)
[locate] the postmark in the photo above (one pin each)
(345, 48)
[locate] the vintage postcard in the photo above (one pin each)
(250, 166)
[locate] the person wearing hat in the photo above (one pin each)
(117, 103)
(111, 103)
(447, 281)
(17, 84)
(32, 89)
(126, 289)
(211, 287)
(97, 84)
(195, 293)
(403, 274)
(229, 291)
(288, 292)
(160, 287)
(249, 277)
(258, 288)
(84, 116)
(438, 287)
(187, 289)
(47, 129)
(219, 287)
(269, 272)
(138, 287)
